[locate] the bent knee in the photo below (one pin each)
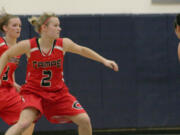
(84, 121)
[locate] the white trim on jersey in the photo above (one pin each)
(34, 49)
(63, 76)
(59, 48)
(43, 54)
(3, 43)
(50, 52)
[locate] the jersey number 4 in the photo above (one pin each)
(46, 80)
(5, 76)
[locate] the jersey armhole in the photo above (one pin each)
(59, 42)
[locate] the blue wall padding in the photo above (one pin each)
(146, 90)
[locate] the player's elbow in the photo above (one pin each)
(178, 52)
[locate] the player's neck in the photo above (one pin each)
(45, 42)
(10, 41)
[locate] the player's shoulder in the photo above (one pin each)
(67, 40)
(59, 41)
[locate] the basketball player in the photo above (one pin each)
(177, 31)
(10, 99)
(45, 91)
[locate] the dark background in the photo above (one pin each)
(146, 90)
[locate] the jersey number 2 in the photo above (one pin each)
(46, 80)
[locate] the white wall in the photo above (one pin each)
(26, 7)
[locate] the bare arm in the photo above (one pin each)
(70, 46)
(178, 51)
(17, 86)
(19, 49)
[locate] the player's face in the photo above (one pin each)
(53, 28)
(177, 31)
(13, 28)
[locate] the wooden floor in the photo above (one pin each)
(129, 131)
(144, 131)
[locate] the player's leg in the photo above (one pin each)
(27, 117)
(68, 109)
(11, 105)
(83, 122)
(29, 130)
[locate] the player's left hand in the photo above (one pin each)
(111, 64)
(18, 87)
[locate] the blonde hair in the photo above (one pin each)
(37, 22)
(4, 18)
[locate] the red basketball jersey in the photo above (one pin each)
(45, 71)
(7, 74)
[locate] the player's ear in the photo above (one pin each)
(4, 28)
(43, 27)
